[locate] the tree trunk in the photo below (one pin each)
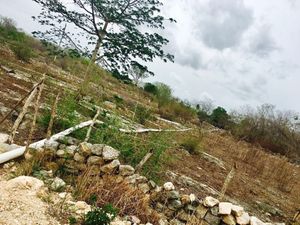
(94, 58)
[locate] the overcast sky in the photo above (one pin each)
(234, 52)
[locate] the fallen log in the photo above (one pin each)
(20, 151)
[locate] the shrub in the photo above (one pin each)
(129, 200)
(191, 144)
(142, 114)
(178, 111)
(23, 52)
(271, 130)
(150, 88)
(100, 216)
(163, 94)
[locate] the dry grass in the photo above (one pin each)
(114, 190)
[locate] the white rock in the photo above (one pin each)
(193, 197)
(70, 150)
(110, 153)
(210, 201)
(95, 160)
(61, 153)
(169, 186)
(135, 220)
(119, 222)
(109, 168)
(82, 207)
(50, 144)
(97, 149)
(126, 170)
(85, 149)
(255, 221)
(79, 158)
(225, 208)
(237, 210)
(57, 184)
(3, 137)
(244, 219)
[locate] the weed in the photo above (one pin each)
(100, 216)
(142, 114)
(23, 52)
(191, 144)
(72, 220)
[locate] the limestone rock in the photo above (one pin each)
(211, 219)
(25, 182)
(175, 204)
(243, 219)
(193, 197)
(225, 208)
(85, 149)
(79, 158)
(70, 150)
(82, 207)
(201, 211)
(237, 210)
(144, 187)
(110, 167)
(3, 137)
(169, 186)
(173, 195)
(57, 184)
(229, 220)
(110, 153)
(210, 201)
(61, 153)
(95, 160)
(50, 144)
(126, 170)
(97, 149)
(255, 221)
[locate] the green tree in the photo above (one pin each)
(220, 118)
(163, 94)
(138, 72)
(119, 31)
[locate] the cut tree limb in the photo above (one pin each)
(143, 161)
(53, 115)
(20, 151)
(88, 134)
(21, 115)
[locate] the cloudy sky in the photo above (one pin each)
(234, 52)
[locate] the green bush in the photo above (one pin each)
(100, 216)
(163, 94)
(23, 52)
(192, 145)
(142, 114)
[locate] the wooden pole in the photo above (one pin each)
(227, 182)
(53, 115)
(143, 161)
(21, 115)
(36, 110)
(88, 134)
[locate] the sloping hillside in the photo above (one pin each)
(266, 185)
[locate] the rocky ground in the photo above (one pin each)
(28, 200)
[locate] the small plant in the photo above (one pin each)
(100, 216)
(72, 220)
(142, 114)
(191, 144)
(23, 52)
